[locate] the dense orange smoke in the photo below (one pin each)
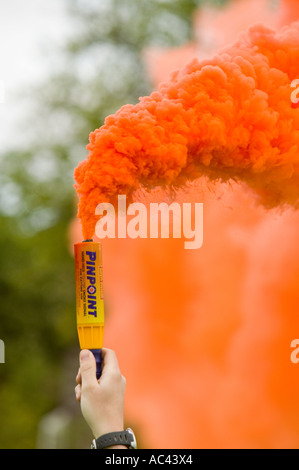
(203, 336)
(230, 117)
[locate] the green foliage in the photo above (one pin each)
(134, 23)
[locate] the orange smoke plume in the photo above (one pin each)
(203, 336)
(289, 11)
(229, 118)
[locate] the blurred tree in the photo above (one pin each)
(99, 69)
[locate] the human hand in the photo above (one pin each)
(102, 401)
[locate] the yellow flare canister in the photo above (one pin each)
(90, 298)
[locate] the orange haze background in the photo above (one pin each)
(203, 336)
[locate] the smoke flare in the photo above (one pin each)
(228, 118)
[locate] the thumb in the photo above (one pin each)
(88, 368)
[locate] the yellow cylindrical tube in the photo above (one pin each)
(89, 297)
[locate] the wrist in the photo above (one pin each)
(101, 430)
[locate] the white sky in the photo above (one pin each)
(29, 30)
